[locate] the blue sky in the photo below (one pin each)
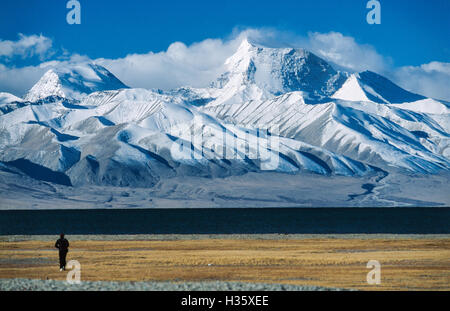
(412, 33)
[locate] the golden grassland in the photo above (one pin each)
(407, 264)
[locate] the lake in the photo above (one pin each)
(228, 221)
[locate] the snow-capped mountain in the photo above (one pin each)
(74, 82)
(81, 125)
(9, 102)
(363, 116)
(259, 73)
(136, 137)
(7, 98)
(369, 86)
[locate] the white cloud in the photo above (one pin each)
(345, 52)
(342, 51)
(196, 65)
(26, 46)
(437, 67)
(19, 80)
(201, 63)
(432, 79)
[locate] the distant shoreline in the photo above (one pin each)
(187, 237)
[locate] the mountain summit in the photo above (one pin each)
(369, 86)
(74, 82)
(262, 72)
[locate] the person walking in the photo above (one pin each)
(63, 245)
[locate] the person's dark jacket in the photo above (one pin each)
(62, 245)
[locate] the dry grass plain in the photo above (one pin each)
(406, 264)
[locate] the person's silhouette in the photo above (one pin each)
(63, 245)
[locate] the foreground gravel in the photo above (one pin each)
(51, 285)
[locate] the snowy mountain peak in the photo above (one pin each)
(74, 82)
(246, 45)
(382, 90)
(6, 98)
(351, 90)
(369, 86)
(48, 85)
(275, 71)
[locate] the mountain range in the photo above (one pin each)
(273, 109)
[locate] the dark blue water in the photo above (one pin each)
(228, 221)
